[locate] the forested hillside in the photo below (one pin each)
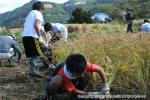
(53, 13)
(58, 12)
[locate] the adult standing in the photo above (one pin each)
(129, 19)
(31, 37)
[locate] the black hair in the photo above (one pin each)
(76, 63)
(127, 9)
(47, 27)
(146, 20)
(38, 6)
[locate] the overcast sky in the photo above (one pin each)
(9, 5)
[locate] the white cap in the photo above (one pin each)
(12, 36)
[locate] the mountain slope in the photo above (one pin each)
(114, 7)
(53, 13)
(85, 4)
(57, 12)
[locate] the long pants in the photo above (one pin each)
(129, 28)
(35, 64)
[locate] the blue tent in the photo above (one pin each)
(101, 17)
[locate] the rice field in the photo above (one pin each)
(125, 58)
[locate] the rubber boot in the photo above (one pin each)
(34, 67)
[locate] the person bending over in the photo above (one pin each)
(73, 76)
(57, 30)
(8, 48)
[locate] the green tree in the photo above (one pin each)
(80, 16)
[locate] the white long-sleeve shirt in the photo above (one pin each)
(145, 27)
(60, 28)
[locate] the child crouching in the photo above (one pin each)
(73, 76)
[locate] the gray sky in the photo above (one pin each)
(9, 5)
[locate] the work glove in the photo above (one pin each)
(51, 66)
(46, 45)
(105, 89)
(45, 48)
(17, 62)
(41, 39)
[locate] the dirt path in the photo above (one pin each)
(15, 83)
